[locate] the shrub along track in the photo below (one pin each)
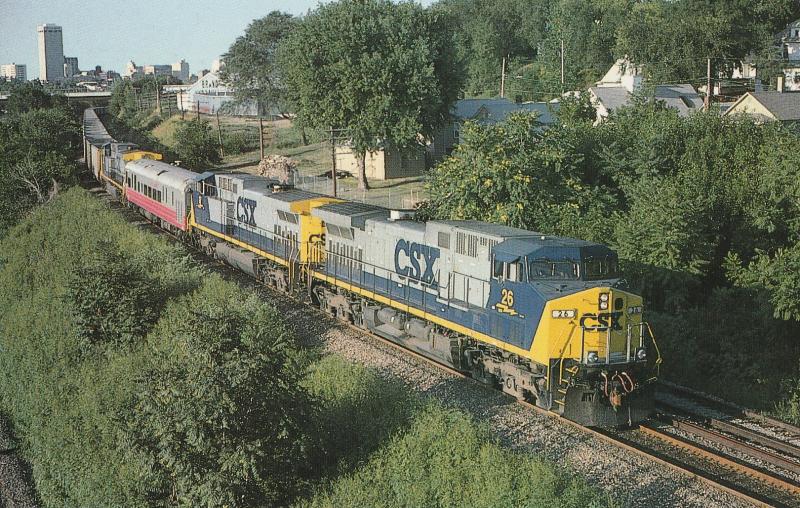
(631, 474)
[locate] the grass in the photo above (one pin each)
(165, 131)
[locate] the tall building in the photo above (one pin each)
(51, 52)
(71, 66)
(14, 71)
(180, 70)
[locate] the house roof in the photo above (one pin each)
(490, 111)
(621, 68)
(611, 97)
(784, 106)
(681, 97)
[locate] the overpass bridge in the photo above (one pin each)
(94, 98)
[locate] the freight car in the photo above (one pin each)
(541, 317)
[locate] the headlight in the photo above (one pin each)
(563, 314)
(641, 354)
(603, 305)
(635, 310)
(603, 297)
(592, 357)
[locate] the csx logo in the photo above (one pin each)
(246, 211)
(602, 320)
(415, 261)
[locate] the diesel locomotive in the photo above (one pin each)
(543, 318)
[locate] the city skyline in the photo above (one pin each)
(167, 32)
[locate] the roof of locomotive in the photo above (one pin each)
(353, 213)
(548, 247)
(292, 195)
(486, 228)
(162, 172)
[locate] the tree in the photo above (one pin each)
(673, 39)
(196, 144)
(382, 72)
(488, 31)
(41, 177)
(517, 174)
(251, 64)
(221, 412)
(29, 97)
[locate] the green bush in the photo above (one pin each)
(114, 303)
(239, 142)
(196, 144)
(220, 411)
(359, 412)
(788, 408)
(447, 459)
(204, 404)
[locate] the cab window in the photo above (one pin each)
(514, 272)
(601, 268)
(546, 269)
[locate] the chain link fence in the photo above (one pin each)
(387, 197)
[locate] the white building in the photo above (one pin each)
(623, 80)
(51, 53)
(14, 71)
(209, 94)
(71, 66)
(217, 65)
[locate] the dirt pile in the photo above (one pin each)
(278, 167)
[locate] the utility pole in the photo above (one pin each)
(333, 161)
(158, 99)
(562, 66)
(261, 136)
(503, 78)
(219, 134)
(197, 107)
(709, 91)
(181, 105)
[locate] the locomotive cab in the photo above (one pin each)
(590, 342)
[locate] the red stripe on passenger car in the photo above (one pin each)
(158, 209)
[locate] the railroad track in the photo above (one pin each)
(650, 441)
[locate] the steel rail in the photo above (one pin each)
(739, 410)
(734, 444)
(714, 456)
(739, 431)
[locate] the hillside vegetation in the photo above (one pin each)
(134, 377)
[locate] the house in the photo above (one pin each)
(210, 95)
(769, 106)
(390, 162)
(623, 80)
(385, 163)
(484, 112)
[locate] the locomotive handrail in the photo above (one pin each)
(658, 361)
(561, 358)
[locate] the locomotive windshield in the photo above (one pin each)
(603, 268)
(553, 270)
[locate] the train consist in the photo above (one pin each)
(541, 317)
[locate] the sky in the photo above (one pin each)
(109, 33)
